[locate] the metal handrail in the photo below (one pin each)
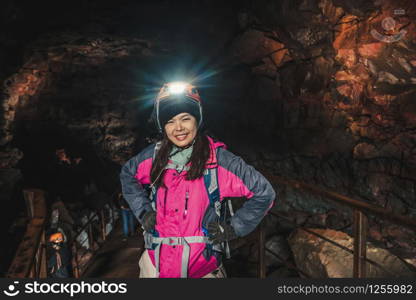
(30, 258)
(20, 268)
(77, 268)
(360, 221)
(288, 265)
(329, 241)
(381, 212)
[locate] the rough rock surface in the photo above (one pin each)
(84, 109)
(343, 97)
(321, 259)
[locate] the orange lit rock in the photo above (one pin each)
(370, 50)
(355, 129)
(344, 76)
(361, 72)
(352, 90)
(286, 58)
(344, 90)
(327, 98)
(347, 57)
(21, 90)
(276, 49)
(278, 57)
(32, 78)
(384, 99)
(346, 38)
(343, 106)
(329, 10)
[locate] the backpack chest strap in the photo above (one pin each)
(174, 241)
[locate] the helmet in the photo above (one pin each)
(176, 88)
(176, 97)
(56, 237)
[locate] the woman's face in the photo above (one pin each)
(181, 129)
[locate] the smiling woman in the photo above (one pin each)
(186, 228)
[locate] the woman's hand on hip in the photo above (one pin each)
(221, 232)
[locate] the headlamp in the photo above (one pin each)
(187, 90)
(177, 87)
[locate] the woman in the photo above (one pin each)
(189, 174)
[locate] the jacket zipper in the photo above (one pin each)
(164, 201)
(186, 203)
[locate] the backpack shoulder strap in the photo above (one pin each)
(213, 191)
(153, 188)
(211, 185)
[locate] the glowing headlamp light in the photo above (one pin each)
(177, 87)
(187, 90)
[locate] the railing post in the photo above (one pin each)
(103, 225)
(360, 244)
(75, 265)
(38, 260)
(35, 270)
(29, 196)
(261, 250)
(90, 237)
(32, 273)
(43, 259)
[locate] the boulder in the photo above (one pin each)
(321, 259)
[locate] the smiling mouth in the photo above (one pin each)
(181, 137)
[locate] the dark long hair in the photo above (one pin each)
(199, 157)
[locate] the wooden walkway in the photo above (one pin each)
(120, 259)
(117, 258)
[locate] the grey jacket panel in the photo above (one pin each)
(134, 193)
(254, 209)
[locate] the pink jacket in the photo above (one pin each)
(235, 179)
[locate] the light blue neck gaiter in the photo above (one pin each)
(180, 157)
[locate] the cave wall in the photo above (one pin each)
(71, 84)
(345, 98)
(343, 103)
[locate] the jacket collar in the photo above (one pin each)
(212, 161)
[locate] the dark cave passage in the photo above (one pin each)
(301, 89)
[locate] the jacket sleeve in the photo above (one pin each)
(132, 188)
(238, 179)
